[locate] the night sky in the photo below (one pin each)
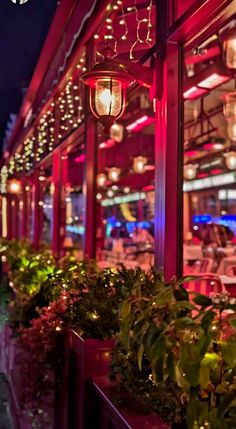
(23, 30)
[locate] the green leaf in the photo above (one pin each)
(196, 412)
(226, 403)
(229, 353)
(140, 356)
(207, 319)
(181, 294)
(202, 300)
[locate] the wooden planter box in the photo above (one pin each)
(83, 360)
(116, 411)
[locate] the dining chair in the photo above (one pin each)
(231, 271)
(206, 284)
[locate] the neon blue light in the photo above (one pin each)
(202, 219)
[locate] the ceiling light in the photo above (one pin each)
(140, 123)
(208, 79)
(229, 47)
(230, 160)
(139, 164)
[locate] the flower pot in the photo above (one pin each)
(84, 359)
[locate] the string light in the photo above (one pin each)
(139, 22)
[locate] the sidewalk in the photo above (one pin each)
(5, 420)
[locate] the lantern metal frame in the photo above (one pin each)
(112, 70)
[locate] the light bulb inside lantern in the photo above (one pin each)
(108, 98)
(114, 174)
(101, 179)
(230, 160)
(190, 171)
(139, 164)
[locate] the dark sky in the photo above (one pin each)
(23, 30)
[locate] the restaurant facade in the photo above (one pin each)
(128, 124)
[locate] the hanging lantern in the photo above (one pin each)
(229, 46)
(230, 160)
(231, 130)
(107, 83)
(101, 180)
(117, 132)
(14, 186)
(114, 174)
(139, 164)
(190, 171)
(229, 108)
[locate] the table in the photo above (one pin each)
(192, 253)
(225, 263)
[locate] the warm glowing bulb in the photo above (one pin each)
(114, 174)
(14, 186)
(231, 128)
(190, 171)
(139, 164)
(101, 179)
(230, 53)
(230, 159)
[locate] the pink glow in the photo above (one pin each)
(190, 153)
(202, 175)
(213, 145)
(107, 144)
(194, 92)
(149, 167)
(140, 123)
(80, 159)
(215, 171)
(148, 188)
(213, 81)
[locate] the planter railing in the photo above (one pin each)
(118, 410)
(83, 360)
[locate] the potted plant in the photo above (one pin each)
(188, 343)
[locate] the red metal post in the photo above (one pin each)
(169, 166)
(37, 210)
(89, 189)
(56, 168)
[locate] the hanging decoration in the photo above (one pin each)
(230, 160)
(190, 171)
(125, 210)
(147, 21)
(229, 110)
(139, 164)
(229, 47)
(117, 132)
(114, 174)
(101, 180)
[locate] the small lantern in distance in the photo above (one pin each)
(139, 164)
(229, 46)
(190, 171)
(230, 160)
(14, 186)
(101, 180)
(114, 174)
(117, 132)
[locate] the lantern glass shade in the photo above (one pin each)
(231, 129)
(139, 164)
(114, 174)
(230, 51)
(230, 106)
(230, 160)
(101, 180)
(190, 171)
(108, 98)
